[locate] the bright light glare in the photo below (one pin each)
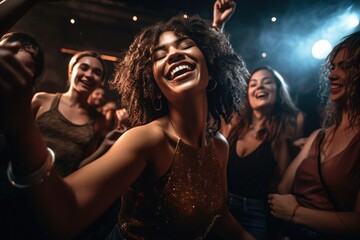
(185, 16)
(353, 20)
(273, 19)
(72, 21)
(134, 18)
(321, 49)
(264, 54)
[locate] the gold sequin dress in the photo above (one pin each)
(184, 204)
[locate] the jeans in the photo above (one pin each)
(251, 213)
(114, 234)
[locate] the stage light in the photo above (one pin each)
(321, 49)
(352, 20)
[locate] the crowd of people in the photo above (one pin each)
(200, 147)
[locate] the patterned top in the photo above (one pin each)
(69, 141)
(184, 204)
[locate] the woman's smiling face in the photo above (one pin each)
(178, 65)
(337, 77)
(86, 74)
(262, 90)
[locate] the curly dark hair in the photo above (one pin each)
(134, 80)
(333, 110)
(282, 123)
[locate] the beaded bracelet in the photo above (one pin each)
(34, 178)
(294, 211)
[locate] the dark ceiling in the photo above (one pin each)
(107, 26)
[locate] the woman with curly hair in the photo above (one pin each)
(178, 79)
(324, 179)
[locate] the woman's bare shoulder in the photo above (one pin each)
(43, 97)
(149, 134)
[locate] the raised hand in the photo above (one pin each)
(223, 10)
(15, 89)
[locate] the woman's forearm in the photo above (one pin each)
(330, 222)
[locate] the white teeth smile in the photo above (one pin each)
(333, 86)
(179, 68)
(261, 95)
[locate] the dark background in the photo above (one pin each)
(107, 27)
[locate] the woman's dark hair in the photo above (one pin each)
(281, 124)
(28, 44)
(333, 110)
(135, 82)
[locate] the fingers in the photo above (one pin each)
(12, 72)
(225, 4)
(271, 205)
(14, 47)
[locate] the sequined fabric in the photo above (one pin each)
(184, 204)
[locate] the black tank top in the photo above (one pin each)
(69, 141)
(250, 176)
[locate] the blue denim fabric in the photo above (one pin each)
(251, 213)
(114, 234)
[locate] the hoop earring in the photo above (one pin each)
(209, 89)
(157, 103)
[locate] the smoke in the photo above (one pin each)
(288, 41)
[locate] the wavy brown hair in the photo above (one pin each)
(134, 80)
(281, 124)
(333, 110)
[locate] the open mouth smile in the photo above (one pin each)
(179, 69)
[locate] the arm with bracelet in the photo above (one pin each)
(286, 207)
(223, 10)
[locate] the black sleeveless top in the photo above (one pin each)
(69, 141)
(250, 176)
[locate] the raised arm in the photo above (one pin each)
(223, 10)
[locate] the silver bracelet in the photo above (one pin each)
(34, 178)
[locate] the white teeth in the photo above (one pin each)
(334, 86)
(261, 95)
(178, 68)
